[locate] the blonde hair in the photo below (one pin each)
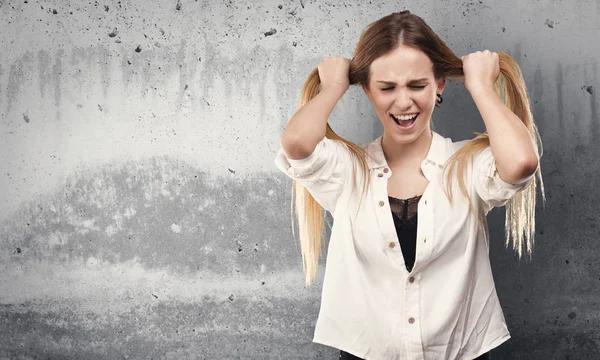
(379, 38)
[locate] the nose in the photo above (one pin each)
(403, 100)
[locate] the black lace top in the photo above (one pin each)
(404, 212)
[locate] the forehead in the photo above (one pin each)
(402, 65)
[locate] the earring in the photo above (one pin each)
(439, 100)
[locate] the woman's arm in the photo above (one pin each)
(307, 127)
(510, 141)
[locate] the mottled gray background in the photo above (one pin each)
(142, 216)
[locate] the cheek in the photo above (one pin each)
(426, 100)
(383, 102)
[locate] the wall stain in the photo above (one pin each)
(594, 105)
(559, 97)
(208, 329)
(16, 78)
(538, 93)
(187, 71)
(90, 64)
(122, 212)
(103, 56)
(57, 71)
(44, 75)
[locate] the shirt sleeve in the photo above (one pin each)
(323, 172)
(491, 189)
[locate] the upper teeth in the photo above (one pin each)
(405, 117)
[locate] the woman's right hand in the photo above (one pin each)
(333, 72)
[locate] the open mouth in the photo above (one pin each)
(405, 120)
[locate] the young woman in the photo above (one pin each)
(396, 287)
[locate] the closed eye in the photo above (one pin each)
(414, 87)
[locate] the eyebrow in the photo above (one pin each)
(410, 82)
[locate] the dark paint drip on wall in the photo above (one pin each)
(559, 97)
(103, 57)
(538, 108)
(594, 104)
(186, 72)
(15, 79)
(284, 82)
(57, 70)
(44, 73)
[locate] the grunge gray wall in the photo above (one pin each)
(142, 216)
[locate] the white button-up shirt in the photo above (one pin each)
(371, 306)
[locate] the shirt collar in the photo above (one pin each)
(438, 152)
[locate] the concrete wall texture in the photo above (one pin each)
(142, 216)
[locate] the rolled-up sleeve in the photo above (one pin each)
(323, 173)
(491, 189)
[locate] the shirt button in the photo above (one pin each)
(380, 175)
(424, 240)
(425, 202)
(411, 320)
(411, 280)
(381, 203)
(385, 170)
(392, 244)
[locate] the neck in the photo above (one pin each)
(401, 154)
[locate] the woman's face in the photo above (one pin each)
(402, 83)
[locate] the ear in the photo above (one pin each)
(367, 92)
(441, 83)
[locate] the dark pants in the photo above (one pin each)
(346, 356)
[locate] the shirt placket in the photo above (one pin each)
(385, 220)
(412, 285)
(412, 302)
(410, 332)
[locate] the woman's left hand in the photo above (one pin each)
(481, 69)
